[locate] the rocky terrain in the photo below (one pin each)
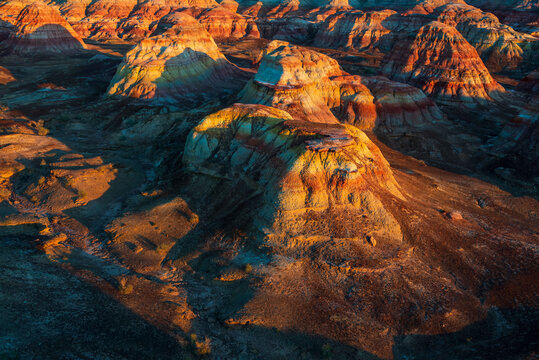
(265, 180)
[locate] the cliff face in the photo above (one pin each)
(183, 63)
(444, 65)
(41, 29)
(303, 173)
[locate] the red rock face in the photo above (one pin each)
(9, 10)
(143, 18)
(444, 65)
(356, 30)
(223, 23)
(41, 29)
(110, 9)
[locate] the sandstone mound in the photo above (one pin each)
(310, 86)
(500, 47)
(41, 29)
(402, 108)
(444, 65)
(183, 63)
(305, 179)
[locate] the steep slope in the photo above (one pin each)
(41, 29)
(182, 63)
(444, 65)
(311, 179)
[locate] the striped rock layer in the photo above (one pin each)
(41, 29)
(303, 175)
(183, 63)
(444, 65)
(312, 87)
(401, 108)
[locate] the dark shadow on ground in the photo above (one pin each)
(505, 334)
(48, 313)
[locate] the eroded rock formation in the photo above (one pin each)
(182, 63)
(305, 175)
(444, 65)
(310, 86)
(40, 29)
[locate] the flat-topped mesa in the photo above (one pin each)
(177, 19)
(310, 86)
(311, 179)
(40, 29)
(183, 63)
(444, 65)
